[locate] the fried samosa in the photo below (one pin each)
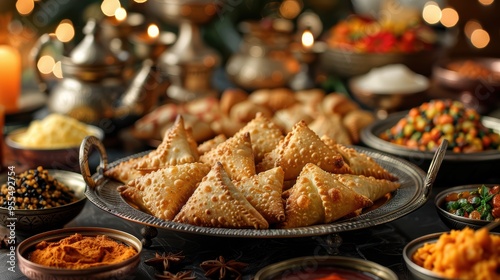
(162, 193)
(299, 147)
(216, 202)
(235, 154)
(263, 191)
(368, 186)
(317, 198)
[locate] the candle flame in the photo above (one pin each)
(307, 39)
(153, 31)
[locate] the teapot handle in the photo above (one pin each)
(85, 148)
(43, 41)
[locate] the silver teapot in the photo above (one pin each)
(94, 86)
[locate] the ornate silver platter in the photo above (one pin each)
(412, 194)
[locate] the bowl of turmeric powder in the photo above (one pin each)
(458, 254)
(77, 253)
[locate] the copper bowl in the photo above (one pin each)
(454, 221)
(57, 158)
(34, 221)
(305, 267)
(122, 270)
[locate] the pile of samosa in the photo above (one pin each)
(258, 178)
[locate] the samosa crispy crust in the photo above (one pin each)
(263, 191)
(264, 133)
(235, 154)
(216, 202)
(318, 197)
(362, 164)
(125, 171)
(177, 147)
(299, 147)
(368, 186)
(163, 192)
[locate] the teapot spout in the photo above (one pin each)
(143, 92)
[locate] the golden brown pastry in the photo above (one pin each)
(245, 111)
(368, 186)
(317, 198)
(355, 121)
(274, 99)
(331, 125)
(235, 154)
(216, 202)
(336, 103)
(230, 97)
(263, 191)
(162, 193)
(124, 171)
(264, 135)
(362, 164)
(177, 147)
(288, 117)
(299, 147)
(211, 144)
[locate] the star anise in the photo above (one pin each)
(181, 275)
(163, 261)
(220, 269)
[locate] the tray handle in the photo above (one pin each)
(86, 148)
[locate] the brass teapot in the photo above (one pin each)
(94, 85)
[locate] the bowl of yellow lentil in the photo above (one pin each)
(474, 140)
(39, 199)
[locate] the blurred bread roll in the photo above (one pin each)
(230, 97)
(336, 103)
(275, 99)
(246, 111)
(355, 121)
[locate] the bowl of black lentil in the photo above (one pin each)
(40, 199)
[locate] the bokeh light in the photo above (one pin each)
(480, 38)
(449, 17)
(109, 7)
(486, 2)
(471, 26)
(65, 31)
(45, 64)
(431, 12)
(24, 7)
(120, 14)
(153, 31)
(290, 9)
(307, 39)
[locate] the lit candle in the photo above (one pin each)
(307, 39)
(152, 42)
(10, 78)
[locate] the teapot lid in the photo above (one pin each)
(91, 52)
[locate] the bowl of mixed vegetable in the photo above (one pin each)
(473, 139)
(471, 206)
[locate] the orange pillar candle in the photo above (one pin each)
(10, 78)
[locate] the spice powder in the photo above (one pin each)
(80, 252)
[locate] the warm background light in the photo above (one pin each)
(45, 64)
(471, 26)
(449, 17)
(57, 70)
(24, 7)
(486, 2)
(307, 39)
(140, 1)
(290, 9)
(153, 31)
(109, 7)
(120, 14)
(431, 12)
(65, 31)
(480, 38)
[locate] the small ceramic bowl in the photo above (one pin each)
(320, 266)
(121, 270)
(33, 221)
(57, 158)
(454, 221)
(409, 250)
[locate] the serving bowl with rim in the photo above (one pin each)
(64, 158)
(32, 221)
(320, 266)
(454, 221)
(121, 270)
(411, 248)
